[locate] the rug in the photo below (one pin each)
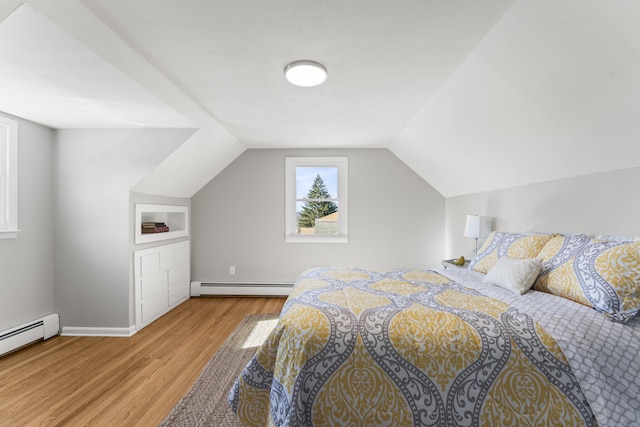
(205, 404)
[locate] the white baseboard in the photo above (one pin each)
(79, 331)
(240, 289)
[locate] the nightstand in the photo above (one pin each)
(448, 263)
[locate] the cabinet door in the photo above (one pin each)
(151, 285)
(149, 264)
(178, 293)
(178, 274)
(153, 306)
(162, 280)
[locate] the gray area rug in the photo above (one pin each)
(205, 404)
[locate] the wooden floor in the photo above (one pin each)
(87, 381)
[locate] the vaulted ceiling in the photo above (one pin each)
(473, 96)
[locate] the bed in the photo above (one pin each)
(444, 347)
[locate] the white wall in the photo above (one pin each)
(94, 171)
(602, 203)
(396, 219)
(26, 263)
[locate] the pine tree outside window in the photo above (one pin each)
(316, 199)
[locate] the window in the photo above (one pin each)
(316, 199)
(8, 179)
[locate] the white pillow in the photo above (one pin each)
(516, 275)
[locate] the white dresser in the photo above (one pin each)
(162, 278)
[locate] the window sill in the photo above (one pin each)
(9, 234)
(316, 239)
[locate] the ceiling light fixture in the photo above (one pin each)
(305, 73)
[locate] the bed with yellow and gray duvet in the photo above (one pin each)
(355, 347)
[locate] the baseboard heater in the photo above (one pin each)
(23, 335)
(240, 289)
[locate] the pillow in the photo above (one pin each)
(516, 275)
(604, 275)
(513, 245)
(560, 248)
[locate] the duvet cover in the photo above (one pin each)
(356, 347)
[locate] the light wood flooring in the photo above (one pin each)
(136, 381)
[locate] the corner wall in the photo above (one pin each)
(94, 172)
(26, 263)
(602, 203)
(396, 220)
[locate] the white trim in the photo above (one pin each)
(8, 178)
(342, 164)
(9, 234)
(244, 289)
(316, 239)
(80, 331)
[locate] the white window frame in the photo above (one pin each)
(8, 178)
(342, 164)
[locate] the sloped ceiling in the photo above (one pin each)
(473, 96)
(552, 91)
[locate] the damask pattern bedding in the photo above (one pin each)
(405, 348)
(604, 355)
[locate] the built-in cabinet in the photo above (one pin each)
(162, 280)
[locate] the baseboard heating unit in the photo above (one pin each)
(20, 336)
(240, 289)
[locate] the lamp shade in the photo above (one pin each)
(477, 226)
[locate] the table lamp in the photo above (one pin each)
(477, 227)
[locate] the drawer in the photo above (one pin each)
(153, 284)
(153, 306)
(178, 274)
(178, 292)
(167, 259)
(149, 264)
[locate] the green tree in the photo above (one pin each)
(315, 207)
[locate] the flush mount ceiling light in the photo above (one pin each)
(305, 73)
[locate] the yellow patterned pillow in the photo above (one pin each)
(598, 274)
(561, 246)
(513, 245)
(555, 277)
(516, 275)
